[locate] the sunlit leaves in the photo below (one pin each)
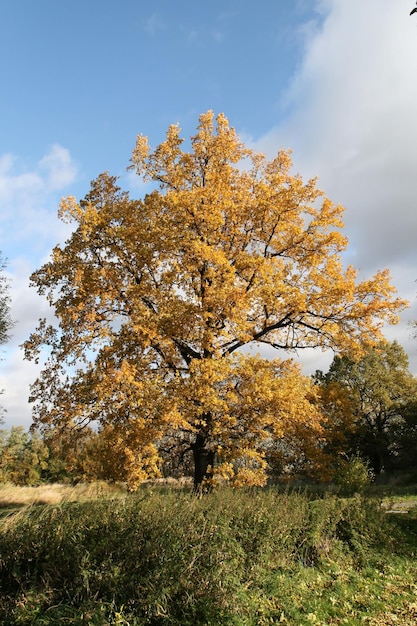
(155, 298)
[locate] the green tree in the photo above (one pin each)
(23, 456)
(156, 298)
(73, 455)
(375, 399)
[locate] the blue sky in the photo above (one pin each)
(332, 79)
(91, 75)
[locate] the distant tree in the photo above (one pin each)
(6, 322)
(71, 455)
(156, 298)
(5, 319)
(23, 456)
(370, 405)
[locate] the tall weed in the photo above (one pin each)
(171, 558)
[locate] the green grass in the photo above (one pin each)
(243, 558)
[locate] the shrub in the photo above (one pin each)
(353, 476)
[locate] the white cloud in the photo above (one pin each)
(29, 228)
(15, 187)
(16, 375)
(353, 103)
(29, 199)
(58, 168)
(53, 172)
(350, 118)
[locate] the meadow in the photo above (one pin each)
(95, 555)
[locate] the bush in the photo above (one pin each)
(353, 476)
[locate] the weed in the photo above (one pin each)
(238, 558)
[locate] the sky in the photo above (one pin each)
(334, 80)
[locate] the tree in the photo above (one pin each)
(6, 322)
(72, 455)
(339, 424)
(375, 399)
(157, 298)
(23, 456)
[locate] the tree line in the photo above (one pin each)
(369, 412)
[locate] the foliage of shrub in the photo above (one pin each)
(171, 558)
(353, 476)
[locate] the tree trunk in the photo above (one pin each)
(203, 461)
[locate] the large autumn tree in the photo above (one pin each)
(157, 298)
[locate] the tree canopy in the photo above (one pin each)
(371, 405)
(158, 299)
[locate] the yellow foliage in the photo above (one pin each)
(156, 298)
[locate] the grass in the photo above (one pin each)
(12, 496)
(243, 558)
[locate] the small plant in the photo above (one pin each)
(353, 476)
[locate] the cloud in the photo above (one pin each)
(349, 115)
(350, 111)
(58, 168)
(53, 172)
(29, 229)
(15, 187)
(29, 198)
(16, 375)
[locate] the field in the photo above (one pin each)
(95, 555)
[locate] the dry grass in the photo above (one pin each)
(14, 496)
